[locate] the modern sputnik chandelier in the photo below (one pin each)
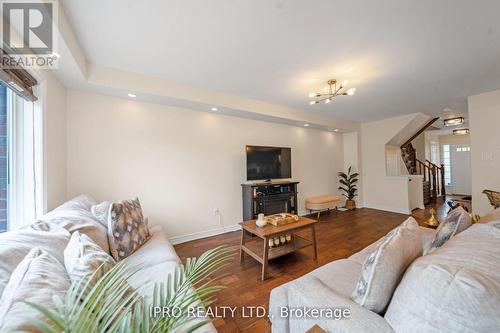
(333, 91)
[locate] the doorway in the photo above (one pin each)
(461, 169)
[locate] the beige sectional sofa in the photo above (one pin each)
(156, 258)
(456, 288)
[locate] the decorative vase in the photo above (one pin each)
(261, 221)
(350, 204)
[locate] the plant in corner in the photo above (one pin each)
(348, 186)
(111, 305)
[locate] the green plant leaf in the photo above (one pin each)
(107, 304)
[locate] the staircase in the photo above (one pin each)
(433, 185)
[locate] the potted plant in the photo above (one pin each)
(348, 186)
(110, 304)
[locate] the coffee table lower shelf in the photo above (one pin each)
(256, 248)
(260, 250)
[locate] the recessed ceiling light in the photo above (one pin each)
(306, 125)
(214, 109)
(336, 130)
(131, 95)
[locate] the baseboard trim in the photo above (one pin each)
(388, 209)
(214, 232)
(203, 234)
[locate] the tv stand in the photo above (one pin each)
(269, 198)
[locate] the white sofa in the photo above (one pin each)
(454, 289)
(156, 258)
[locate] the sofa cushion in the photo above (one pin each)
(82, 257)
(82, 202)
(15, 245)
(457, 221)
(127, 229)
(156, 250)
(101, 212)
(340, 275)
(384, 267)
(491, 216)
(442, 291)
(311, 293)
(75, 215)
(37, 279)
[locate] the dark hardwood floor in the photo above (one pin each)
(339, 235)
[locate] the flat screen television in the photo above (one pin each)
(265, 163)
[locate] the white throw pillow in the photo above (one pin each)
(101, 212)
(455, 289)
(16, 244)
(457, 221)
(82, 257)
(127, 228)
(385, 266)
(75, 215)
(37, 279)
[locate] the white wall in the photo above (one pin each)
(419, 145)
(53, 95)
(484, 117)
(381, 191)
(182, 163)
(352, 158)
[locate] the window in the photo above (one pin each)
(446, 160)
(435, 153)
(463, 149)
(21, 160)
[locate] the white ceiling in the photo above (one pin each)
(403, 56)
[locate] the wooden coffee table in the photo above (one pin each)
(260, 251)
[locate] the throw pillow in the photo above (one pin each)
(37, 279)
(75, 215)
(101, 212)
(16, 244)
(127, 229)
(457, 221)
(385, 266)
(83, 257)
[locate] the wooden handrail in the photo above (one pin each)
(432, 121)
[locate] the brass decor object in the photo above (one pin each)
(432, 221)
(333, 92)
(493, 197)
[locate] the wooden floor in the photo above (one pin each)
(339, 235)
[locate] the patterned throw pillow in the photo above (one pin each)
(385, 266)
(457, 221)
(127, 228)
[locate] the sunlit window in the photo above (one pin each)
(446, 160)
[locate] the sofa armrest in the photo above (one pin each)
(309, 292)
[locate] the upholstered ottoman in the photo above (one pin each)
(322, 202)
